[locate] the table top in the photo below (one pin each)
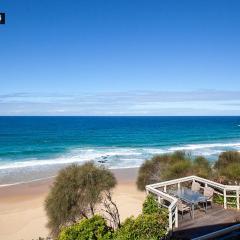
(188, 195)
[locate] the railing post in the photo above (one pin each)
(165, 188)
(237, 192)
(178, 186)
(170, 219)
(176, 217)
(225, 198)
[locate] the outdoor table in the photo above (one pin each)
(190, 197)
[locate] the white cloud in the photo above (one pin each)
(201, 102)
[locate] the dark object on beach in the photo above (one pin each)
(102, 161)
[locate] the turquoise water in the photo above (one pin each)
(35, 144)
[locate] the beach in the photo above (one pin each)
(22, 214)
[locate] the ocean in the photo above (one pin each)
(36, 147)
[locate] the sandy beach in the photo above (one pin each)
(22, 214)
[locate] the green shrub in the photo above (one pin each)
(171, 166)
(151, 206)
(94, 228)
(145, 226)
(231, 202)
(218, 199)
(227, 167)
(157, 168)
(151, 224)
(201, 167)
(180, 169)
(75, 193)
(164, 167)
(226, 158)
(150, 170)
(231, 172)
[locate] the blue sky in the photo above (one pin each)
(120, 57)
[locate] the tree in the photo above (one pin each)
(94, 228)
(75, 193)
(111, 209)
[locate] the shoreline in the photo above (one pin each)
(22, 214)
(119, 173)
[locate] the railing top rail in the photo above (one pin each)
(191, 178)
(162, 194)
(171, 182)
(215, 184)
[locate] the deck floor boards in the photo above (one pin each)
(215, 219)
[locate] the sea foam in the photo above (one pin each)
(120, 157)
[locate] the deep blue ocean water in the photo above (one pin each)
(35, 143)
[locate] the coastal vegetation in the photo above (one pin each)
(151, 224)
(75, 194)
(170, 166)
(179, 164)
(80, 207)
(227, 167)
(93, 228)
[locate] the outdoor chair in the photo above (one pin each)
(182, 207)
(208, 192)
(196, 187)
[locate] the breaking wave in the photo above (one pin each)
(120, 157)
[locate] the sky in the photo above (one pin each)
(121, 57)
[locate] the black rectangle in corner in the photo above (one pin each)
(2, 18)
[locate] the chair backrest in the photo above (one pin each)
(208, 192)
(195, 186)
(180, 205)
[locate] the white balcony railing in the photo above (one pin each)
(170, 202)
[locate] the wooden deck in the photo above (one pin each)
(215, 219)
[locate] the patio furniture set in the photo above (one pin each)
(190, 199)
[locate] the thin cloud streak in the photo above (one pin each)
(201, 102)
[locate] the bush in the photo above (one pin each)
(156, 169)
(145, 226)
(201, 167)
(226, 158)
(94, 228)
(232, 172)
(149, 172)
(151, 224)
(151, 206)
(231, 202)
(227, 167)
(171, 166)
(74, 194)
(183, 168)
